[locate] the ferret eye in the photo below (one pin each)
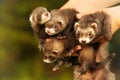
(89, 34)
(39, 17)
(78, 34)
(55, 27)
(60, 23)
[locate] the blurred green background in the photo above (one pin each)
(20, 59)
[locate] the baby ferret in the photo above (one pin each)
(61, 22)
(92, 26)
(55, 50)
(88, 30)
(38, 18)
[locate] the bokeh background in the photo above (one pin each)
(20, 58)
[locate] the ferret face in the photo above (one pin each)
(53, 50)
(40, 16)
(56, 24)
(54, 27)
(85, 34)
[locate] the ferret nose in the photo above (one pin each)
(48, 31)
(83, 41)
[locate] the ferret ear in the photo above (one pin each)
(94, 25)
(76, 25)
(31, 18)
(33, 21)
(47, 14)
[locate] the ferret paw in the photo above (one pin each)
(83, 70)
(108, 37)
(61, 37)
(70, 53)
(78, 72)
(68, 64)
(58, 65)
(55, 68)
(40, 46)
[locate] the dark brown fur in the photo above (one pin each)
(86, 58)
(100, 72)
(53, 49)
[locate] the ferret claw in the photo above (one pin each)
(61, 37)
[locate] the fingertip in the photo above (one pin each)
(78, 16)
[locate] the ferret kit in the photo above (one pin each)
(81, 43)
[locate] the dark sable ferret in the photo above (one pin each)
(61, 22)
(55, 50)
(100, 72)
(38, 18)
(88, 30)
(92, 26)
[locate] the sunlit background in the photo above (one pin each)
(20, 58)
